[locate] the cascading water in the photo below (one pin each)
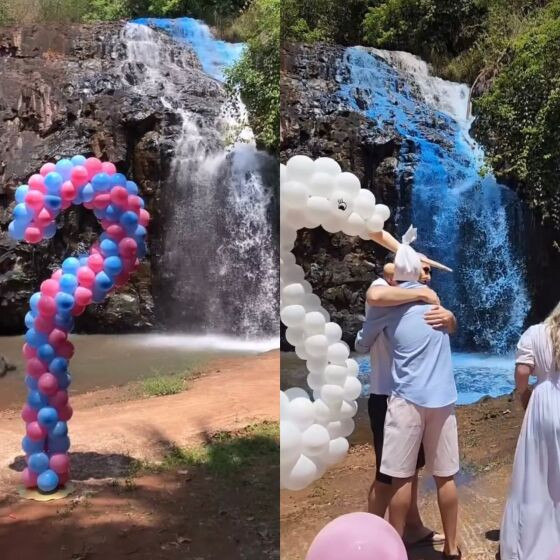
(219, 248)
(464, 218)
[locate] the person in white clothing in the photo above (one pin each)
(531, 522)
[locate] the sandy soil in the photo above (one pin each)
(173, 515)
(488, 433)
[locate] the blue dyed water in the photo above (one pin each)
(464, 219)
(476, 375)
(214, 55)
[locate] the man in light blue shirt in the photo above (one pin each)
(421, 407)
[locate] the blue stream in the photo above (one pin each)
(214, 55)
(469, 222)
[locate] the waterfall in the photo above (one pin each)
(219, 255)
(464, 217)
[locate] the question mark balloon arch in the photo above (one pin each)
(82, 280)
(313, 433)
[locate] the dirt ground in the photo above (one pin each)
(488, 434)
(118, 512)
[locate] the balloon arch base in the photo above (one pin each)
(38, 496)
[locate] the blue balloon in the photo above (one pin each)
(29, 320)
(34, 300)
(50, 231)
(37, 400)
(53, 202)
(64, 322)
(35, 338)
(21, 191)
(60, 429)
(64, 167)
(78, 160)
(47, 481)
(78, 199)
(113, 213)
(100, 213)
(68, 282)
(31, 382)
(141, 248)
(53, 182)
(22, 213)
(98, 295)
(101, 182)
(47, 417)
(17, 230)
(64, 380)
(64, 302)
(83, 261)
(46, 353)
(70, 265)
(131, 187)
(103, 282)
(113, 266)
(59, 444)
(129, 220)
(38, 462)
(88, 193)
(109, 248)
(140, 232)
(30, 446)
(118, 179)
(58, 366)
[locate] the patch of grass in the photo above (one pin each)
(162, 385)
(227, 453)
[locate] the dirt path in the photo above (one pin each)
(180, 513)
(488, 433)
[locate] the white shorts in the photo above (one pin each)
(407, 426)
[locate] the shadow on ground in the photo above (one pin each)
(216, 501)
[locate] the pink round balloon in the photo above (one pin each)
(78, 310)
(57, 274)
(65, 412)
(43, 218)
(35, 367)
(43, 324)
(83, 295)
(29, 478)
(555, 554)
(119, 196)
(65, 349)
(68, 191)
(144, 219)
(128, 247)
(47, 306)
(59, 463)
(48, 384)
(102, 200)
(50, 287)
(86, 277)
(134, 203)
(57, 337)
(59, 399)
(35, 431)
(63, 478)
(37, 183)
(93, 166)
(79, 176)
(28, 351)
(34, 200)
(47, 168)
(28, 413)
(108, 168)
(33, 234)
(95, 262)
(357, 536)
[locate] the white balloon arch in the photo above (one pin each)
(313, 432)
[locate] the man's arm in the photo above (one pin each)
(522, 373)
(375, 322)
(441, 319)
(389, 296)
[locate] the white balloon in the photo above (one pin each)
(349, 184)
(348, 409)
(375, 224)
(320, 463)
(338, 448)
(335, 429)
(347, 427)
(301, 351)
(283, 173)
(294, 336)
(353, 367)
(296, 393)
(293, 294)
(327, 165)
(352, 388)
(333, 224)
(321, 184)
(382, 211)
(364, 203)
(293, 218)
(292, 273)
(315, 381)
(316, 345)
(300, 167)
(314, 323)
(293, 195)
(315, 440)
(333, 395)
(354, 225)
(293, 315)
(311, 302)
(333, 332)
(341, 207)
(302, 474)
(318, 208)
(284, 402)
(287, 258)
(300, 411)
(317, 365)
(338, 353)
(336, 374)
(322, 412)
(290, 442)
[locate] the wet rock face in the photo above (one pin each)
(315, 122)
(67, 90)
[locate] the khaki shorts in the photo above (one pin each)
(407, 426)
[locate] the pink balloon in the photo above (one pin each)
(57, 274)
(59, 399)
(79, 176)
(48, 384)
(86, 277)
(102, 200)
(119, 196)
(35, 431)
(93, 166)
(134, 203)
(108, 168)
(28, 351)
(78, 310)
(50, 287)
(29, 478)
(128, 247)
(36, 368)
(116, 232)
(47, 168)
(65, 349)
(34, 200)
(59, 463)
(37, 183)
(47, 306)
(65, 412)
(33, 234)
(122, 279)
(82, 295)
(44, 324)
(68, 191)
(28, 413)
(63, 478)
(57, 337)
(43, 218)
(95, 262)
(144, 219)
(555, 554)
(357, 536)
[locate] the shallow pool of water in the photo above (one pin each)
(102, 361)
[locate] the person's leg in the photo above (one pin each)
(442, 459)
(379, 498)
(400, 504)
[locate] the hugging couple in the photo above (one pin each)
(413, 395)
